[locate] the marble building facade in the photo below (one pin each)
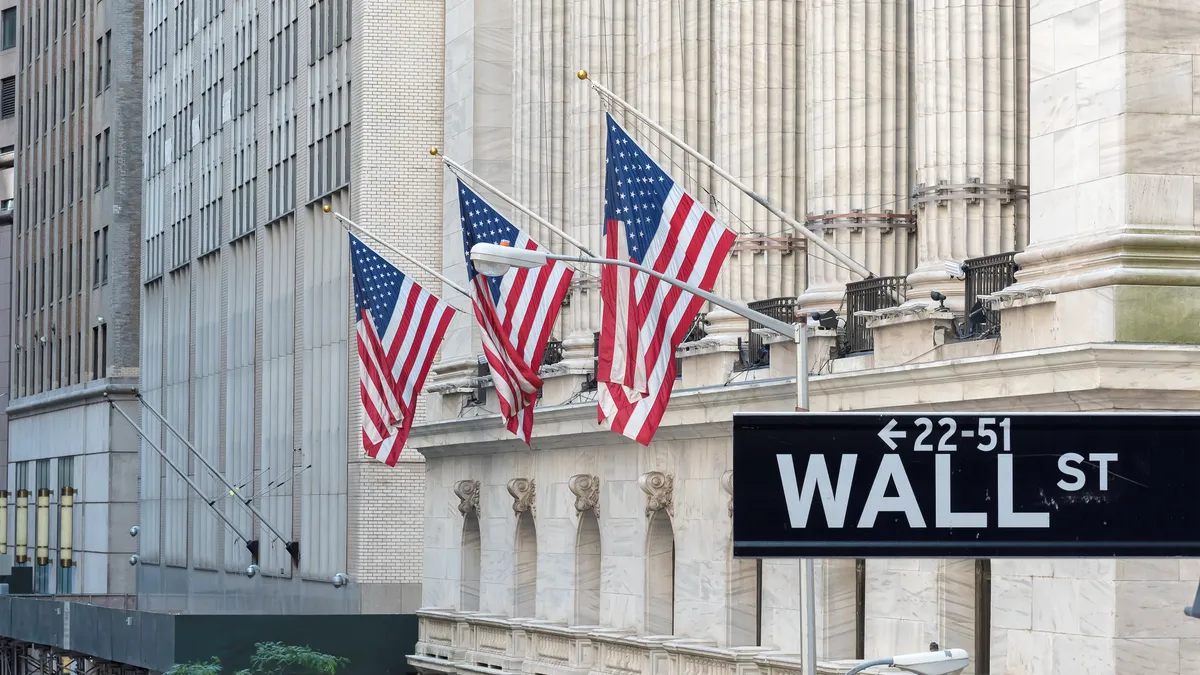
(1054, 134)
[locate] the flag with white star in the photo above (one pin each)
(648, 219)
(400, 327)
(516, 310)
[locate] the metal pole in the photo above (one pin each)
(741, 310)
(350, 224)
(287, 542)
(459, 168)
(796, 225)
(182, 475)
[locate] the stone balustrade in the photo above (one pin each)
(471, 643)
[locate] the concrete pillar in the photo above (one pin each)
(971, 151)
(602, 40)
(758, 120)
(857, 116)
(1113, 252)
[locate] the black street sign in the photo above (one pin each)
(949, 485)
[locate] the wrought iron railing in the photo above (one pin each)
(986, 275)
(553, 353)
(752, 352)
(866, 296)
(590, 383)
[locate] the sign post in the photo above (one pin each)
(950, 485)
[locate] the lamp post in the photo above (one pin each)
(942, 662)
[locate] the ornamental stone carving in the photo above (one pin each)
(660, 492)
(523, 491)
(727, 485)
(468, 497)
(586, 489)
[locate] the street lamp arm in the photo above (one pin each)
(869, 664)
(785, 329)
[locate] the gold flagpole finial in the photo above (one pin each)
(433, 151)
(582, 74)
(327, 208)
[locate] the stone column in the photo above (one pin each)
(857, 115)
(602, 41)
(1114, 170)
(758, 119)
(971, 121)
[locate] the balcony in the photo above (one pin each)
(752, 352)
(985, 276)
(470, 643)
(869, 295)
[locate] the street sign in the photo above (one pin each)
(950, 485)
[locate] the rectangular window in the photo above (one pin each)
(8, 97)
(99, 159)
(95, 352)
(107, 59)
(96, 259)
(100, 64)
(104, 255)
(68, 372)
(8, 28)
(107, 157)
(69, 264)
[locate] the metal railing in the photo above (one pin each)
(752, 352)
(869, 295)
(553, 353)
(983, 276)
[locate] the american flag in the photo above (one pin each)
(650, 220)
(400, 327)
(516, 311)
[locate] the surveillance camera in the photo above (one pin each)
(953, 269)
(134, 559)
(937, 296)
(99, 319)
(133, 531)
(340, 580)
(252, 571)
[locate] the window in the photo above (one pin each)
(8, 97)
(106, 157)
(107, 59)
(8, 28)
(99, 159)
(96, 259)
(104, 255)
(100, 61)
(69, 264)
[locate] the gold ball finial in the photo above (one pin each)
(433, 151)
(582, 74)
(326, 208)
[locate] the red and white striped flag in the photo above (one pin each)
(648, 219)
(400, 327)
(516, 310)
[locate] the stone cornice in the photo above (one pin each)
(1083, 377)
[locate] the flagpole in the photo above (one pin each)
(460, 169)
(797, 225)
(350, 224)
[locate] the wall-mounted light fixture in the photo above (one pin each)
(66, 523)
(43, 526)
(3, 522)
(22, 543)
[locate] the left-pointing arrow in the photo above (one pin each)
(888, 434)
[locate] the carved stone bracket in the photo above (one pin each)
(468, 497)
(586, 489)
(727, 485)
(523, 490)
(660, 492)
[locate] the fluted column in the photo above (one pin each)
(758, 120)
(857, 141)
(602, 39)
(971, 152)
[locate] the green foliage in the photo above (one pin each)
(212, 667)
(272, 658)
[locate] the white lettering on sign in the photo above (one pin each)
(816, 479)
(1103, 458)
(1007, 517)
(1068, 464)
(946, 517)
(891, 470)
